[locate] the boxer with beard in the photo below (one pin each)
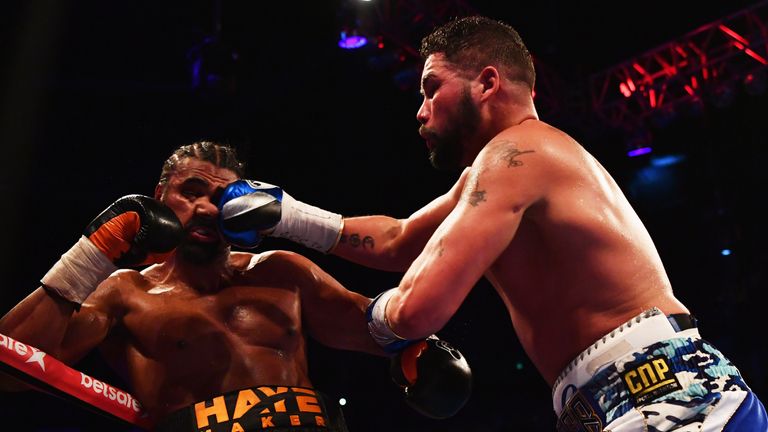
(207, 338)
(544, 222)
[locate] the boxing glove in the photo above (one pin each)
(133, 231)
(435, 377)
(250, 209)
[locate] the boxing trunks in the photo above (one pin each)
(264, 408)
(655, 373)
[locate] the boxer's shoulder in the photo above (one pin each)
(246, 261)
(126, 279)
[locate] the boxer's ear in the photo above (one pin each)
(489, 80)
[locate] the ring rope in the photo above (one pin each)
(47, 374)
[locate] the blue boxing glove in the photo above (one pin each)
(247, 209)
(250, 210)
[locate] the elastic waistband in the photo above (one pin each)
(644, 329)
(685, 372)
(273, 408)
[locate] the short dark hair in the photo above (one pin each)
(473, 42)
(221, 155)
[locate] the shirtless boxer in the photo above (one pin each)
(542, 220)
(208, 338)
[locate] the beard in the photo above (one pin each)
(198, 252)
(448, 150)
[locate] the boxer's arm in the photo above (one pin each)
(501, 185)
(252, 209)
(64, 329)
(134, 230)
(58, 327)
(332, 314)
(434, 376)
(386, 243)
(40, 320)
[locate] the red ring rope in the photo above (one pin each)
(36, 368)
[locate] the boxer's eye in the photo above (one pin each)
(191, 193)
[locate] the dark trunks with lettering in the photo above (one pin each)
(272, 408)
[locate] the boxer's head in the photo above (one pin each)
(470, 44)
(220, 155)
(465, 60)
(190, 181)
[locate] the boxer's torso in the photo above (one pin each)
(581, 262)
(179, 345)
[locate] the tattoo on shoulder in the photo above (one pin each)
(476, 197)
(511, 152)
(356, 240)
(473, 194)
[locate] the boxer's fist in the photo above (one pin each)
(435, 376)
(248, 210)
(135, 230)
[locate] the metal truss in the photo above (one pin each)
(684, 72)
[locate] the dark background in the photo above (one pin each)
(94, 95)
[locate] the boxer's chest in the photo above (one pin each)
(236, 317)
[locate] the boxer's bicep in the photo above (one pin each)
(481, 226)
(455, 258)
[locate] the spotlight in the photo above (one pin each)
(639, 142)
(351, 40)
(356, 24)
(639, 151)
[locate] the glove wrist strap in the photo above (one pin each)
(79, 271)
(308, 225)
(378, 325)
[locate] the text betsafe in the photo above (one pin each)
(14, 345)
(109, 392)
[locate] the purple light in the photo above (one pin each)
(351, 42)
(639, 151)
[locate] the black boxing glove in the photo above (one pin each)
(135, 230)
(435, 377)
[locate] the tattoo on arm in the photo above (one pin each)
(354, 240)
(473, 194)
